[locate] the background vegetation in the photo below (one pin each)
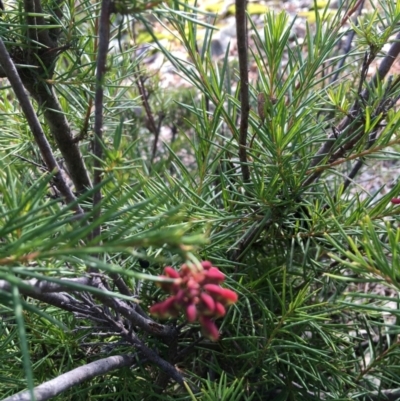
(258, 175)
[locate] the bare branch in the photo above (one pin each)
(43, 286)
(121, 285)
(98, 313)
(56, 294)
(151, 125)
(136, 318)
(241, 34)
(74, 377)
(152, 356)
(104, 37)
(61, 130)
(34, 17)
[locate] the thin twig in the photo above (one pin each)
(135, 318)
(103, 45)
(85, 126)
(251, 235)
(241, 34)
(32, 286)
(104, 38)
(364, 153)
(351, 12)
(154, 129)
(61, 131)
(152, 356)
(49, 292)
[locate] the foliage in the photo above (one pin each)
(96, 202)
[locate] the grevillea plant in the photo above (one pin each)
(196, 291)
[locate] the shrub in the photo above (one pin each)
(260, 177)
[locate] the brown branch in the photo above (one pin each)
(61, 131)
(152, 356)
(364, 153)
(29, 8)
(135, 317)
(351, 12)
(104, 37)
(121, 285)
(103, 44)
(241, 34)
(42, 52)
(33, 10)
(152, 126)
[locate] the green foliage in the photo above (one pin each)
(221, 391)
(314, 259)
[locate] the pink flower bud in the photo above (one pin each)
(206, 265)
(180, 297)
(395, 201)
(219, 310)
(171, 272)
(192, 284)
(215, 276)
(223, 295)
(208, 303)
(196, 293)
(191, 313)
(185, 269)
(165, 309)
(208, 328)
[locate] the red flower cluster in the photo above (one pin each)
(198, 293)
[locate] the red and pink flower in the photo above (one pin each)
(196, 292)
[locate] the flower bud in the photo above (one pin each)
(223, 295)
(165, 309)
(219, 310)
(214, 276)
(171, 272)
(208, 328)
(191, 313)
(208, 303)
(206, 265)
